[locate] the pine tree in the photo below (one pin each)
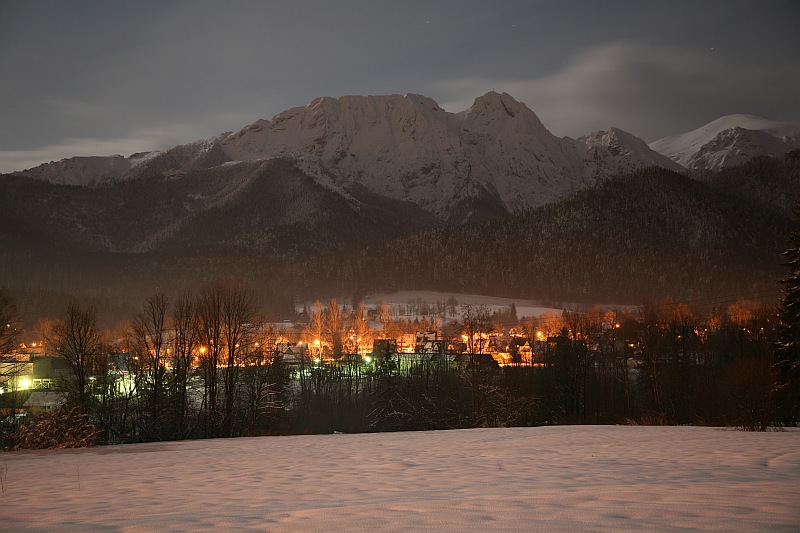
(787, 352)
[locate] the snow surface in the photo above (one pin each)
(493, 303)
(567, 478)
(137, 159)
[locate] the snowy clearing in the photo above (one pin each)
(493, 303)
(568, 478)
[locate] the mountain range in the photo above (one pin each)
(495, 157)
(364, 193)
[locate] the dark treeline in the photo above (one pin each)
(201, 366)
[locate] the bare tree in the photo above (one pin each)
(385, 314)
(264, 382)
(184, 344)
(225, 313)
(317, 326)
(477, 324)
(334, 324)
(654, 337)
(209, 335)
(150, 347)
(78, 341)
(359, 325)
(238, 312)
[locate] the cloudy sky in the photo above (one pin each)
(105, 77)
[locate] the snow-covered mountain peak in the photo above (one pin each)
(83, 170)
(618, 141)
(500, 107)
(751, 122)
(496, 156)
(729, 140)
(493, 101)
(615, 150)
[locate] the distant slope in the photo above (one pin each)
(262, 206)
(728, 141)
(770, 183)
(99, 170)
(644, 235)
(114, 245)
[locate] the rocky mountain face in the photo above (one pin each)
(408, 148)
(729, 141)
(494, 158)
(613, 152)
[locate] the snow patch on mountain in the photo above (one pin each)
(81, 170)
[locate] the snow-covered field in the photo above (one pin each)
(493, 303)
(569, 478)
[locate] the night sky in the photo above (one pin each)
(107, 77)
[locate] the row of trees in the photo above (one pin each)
(188, 368)
(200, 367)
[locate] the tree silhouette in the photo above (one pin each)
(78, 341)
(787, 353)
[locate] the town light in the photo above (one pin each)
(24, 383)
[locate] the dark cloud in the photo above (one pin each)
(650, 91)
(93, 77)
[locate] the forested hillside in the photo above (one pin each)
(641, 236)
(645, 235)
(771, 183)
(259, 205)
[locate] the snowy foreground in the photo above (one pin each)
(590, 478)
